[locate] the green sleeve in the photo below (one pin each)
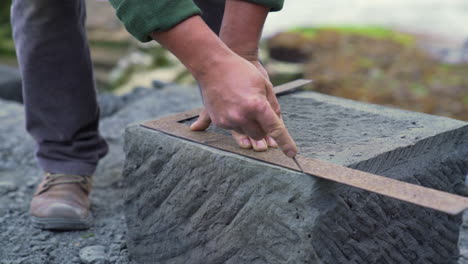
(275, 5)
(141, 17)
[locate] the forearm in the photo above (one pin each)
(242, 27)
(196, 46)
(142, 17)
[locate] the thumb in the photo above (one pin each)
(202, 123)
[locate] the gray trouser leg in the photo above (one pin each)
(59, 94)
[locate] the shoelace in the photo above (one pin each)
(52, 179)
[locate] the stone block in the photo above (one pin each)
(189, 203)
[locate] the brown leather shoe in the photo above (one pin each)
(61, 202)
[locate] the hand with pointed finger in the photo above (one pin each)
(237, 96)
(242, 37)
(245, 141)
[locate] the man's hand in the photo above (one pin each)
(242, 36)
(236, 95)
(243, 140)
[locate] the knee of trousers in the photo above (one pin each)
(47, 16)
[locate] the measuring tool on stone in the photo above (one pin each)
(415, 194)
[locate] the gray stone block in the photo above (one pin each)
(189, 203)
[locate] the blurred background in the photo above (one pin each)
(411, 54)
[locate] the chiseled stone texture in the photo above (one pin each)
(189, 203)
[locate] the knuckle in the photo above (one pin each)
(269, 85)
(257, 105)
(276, 131)
(237, 119)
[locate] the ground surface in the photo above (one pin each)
(21, 243)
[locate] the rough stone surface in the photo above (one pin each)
(188, 203)
(19, 175)
(10, 84)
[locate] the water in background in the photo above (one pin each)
(446, 18)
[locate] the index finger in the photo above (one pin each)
(271, 97)
(274, 127)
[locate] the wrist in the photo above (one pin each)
(244, 46)
(250, 53)
(212, 54)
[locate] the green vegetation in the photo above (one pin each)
(365, 31)
(375, 65)
(5, 12)
(7, 48)
(86, 236)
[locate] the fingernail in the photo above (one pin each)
(272, 143)
(291, 154)
(246, 142)
(261, 144)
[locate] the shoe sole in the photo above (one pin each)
(62, 224)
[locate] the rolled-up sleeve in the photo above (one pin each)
(141, 17)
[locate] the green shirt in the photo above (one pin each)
(141, 17)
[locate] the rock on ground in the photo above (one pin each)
(93, 255)
(19, 175)
(10, 84)
(188, 203)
